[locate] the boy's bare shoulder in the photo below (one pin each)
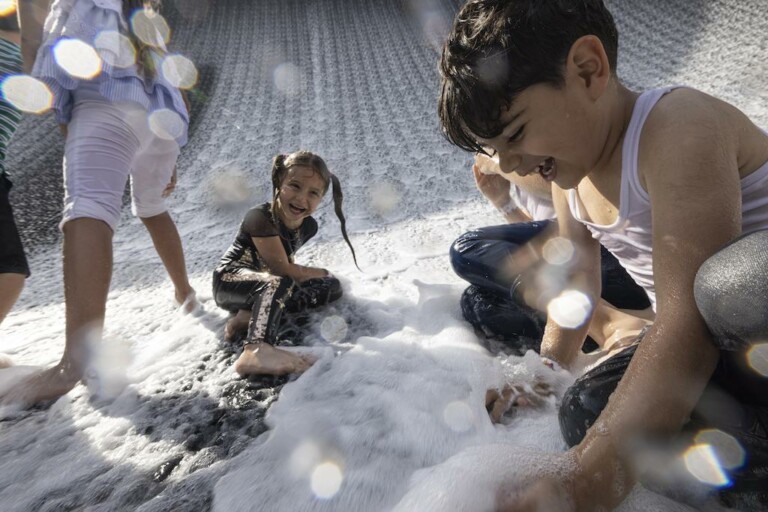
(688, 125)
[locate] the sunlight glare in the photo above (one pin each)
(166, 124)
(701, 461)
(287, 78)
(27, 94)
(179, 71)
(570, 309)
(77, 58)
(727, 449)
(151, 28)
(558, 251)
(115, 48)
(333, 329)
(326, 480)
(757, 357)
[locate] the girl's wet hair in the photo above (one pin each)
(499, 48)
(281, 164)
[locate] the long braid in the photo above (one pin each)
(338, 196)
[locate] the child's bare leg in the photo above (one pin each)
(237, 324)
(87, 273)
(611, 325)
(264, 359)
(10, 287)
(167, 242)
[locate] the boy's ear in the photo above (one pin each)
(588, 62)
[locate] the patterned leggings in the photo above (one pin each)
(267, 295)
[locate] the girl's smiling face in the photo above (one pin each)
(300, 194)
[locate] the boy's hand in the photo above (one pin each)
(169, 188)
(492, 186)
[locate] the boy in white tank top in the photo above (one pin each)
(535, 82)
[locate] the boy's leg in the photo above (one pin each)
(13, 263)
(503, 318)
(483, 256)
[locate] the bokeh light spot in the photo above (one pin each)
(151, 28)
(558, 251)
(305, 457)
(7, 7)
(384, 198)
(287, 78)
(115, 49)
(326, 480)
(77, 58)
(231, 186)
(166, 124)
(27, 94)
(179, 71)
(570, 309)
(757, 357)
(727, 449)
(701, 461)
(333, 329)
(458, 416)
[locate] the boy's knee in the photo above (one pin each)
(103, 209)
(731, 292)
(458, 252)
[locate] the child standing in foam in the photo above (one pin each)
(121, 118)
(675, 183)
(257, 278)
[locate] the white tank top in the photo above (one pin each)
(630, 237)
(537, 207)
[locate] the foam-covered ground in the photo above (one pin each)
(392, 416)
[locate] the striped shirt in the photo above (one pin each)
(10, 64)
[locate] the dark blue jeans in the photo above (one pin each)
(731, 291)
(489, 304)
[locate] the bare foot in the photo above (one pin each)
(237, 325)
(42, 386)
(264, 359)
(519, 395)
(187, 300)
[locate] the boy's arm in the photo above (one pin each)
(561, 344)
(693, 183)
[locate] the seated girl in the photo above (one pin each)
(257, 279)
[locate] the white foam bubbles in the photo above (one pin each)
(458, 416)
(77, 58)
(570, 309)
(27, 94)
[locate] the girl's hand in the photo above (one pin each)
(492, 186)
(169, 188)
